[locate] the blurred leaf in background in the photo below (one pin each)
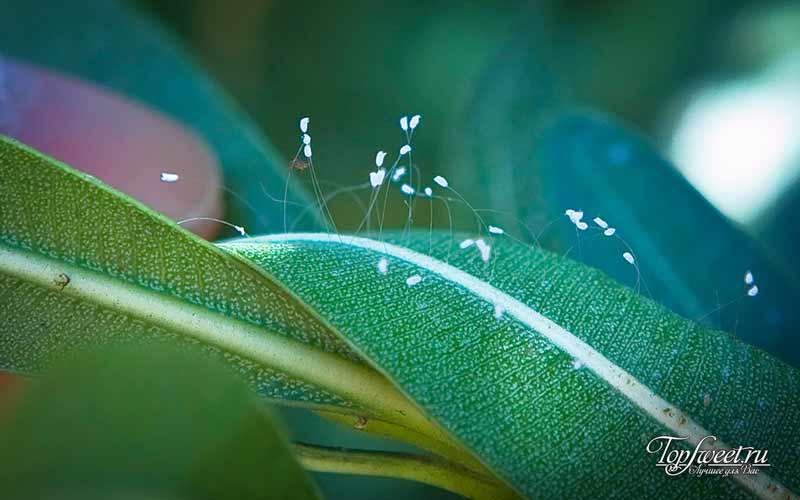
(110, 43)
(156, 424)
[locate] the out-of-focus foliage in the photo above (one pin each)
(155, 424)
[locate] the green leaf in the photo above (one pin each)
(558, 396)
(691, 258)
(112, 44)
(145, 424)
(509, 388)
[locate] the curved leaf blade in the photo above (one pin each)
(691, 258)
(510, 390)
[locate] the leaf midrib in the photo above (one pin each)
(354, 382)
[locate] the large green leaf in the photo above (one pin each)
(691, 257)
(145, 424)
(579, 371)
(557, 396)
(112, 44)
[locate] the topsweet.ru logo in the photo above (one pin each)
(705, 459)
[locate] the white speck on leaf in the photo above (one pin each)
(413, 280)
(383, 265)
(499, 309)
(577, 364)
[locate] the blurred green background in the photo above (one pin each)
(694, 75)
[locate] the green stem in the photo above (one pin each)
(428, 470)
(378, 427)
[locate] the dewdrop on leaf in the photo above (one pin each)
(404, 123)
(383, 265)
(169, 177)
(752, 291)
(600, 222)
(307, 150)
(405, 150)
(496, 230)
(610, 231)
(628, 257)
(376, 178)
(304, 124)
(484, 249)
(306, 139)
(428, 192)
(466, 243)
(414, 121)
(406, 189)
(398, 173)
(440, 181)
(748, 278)
(379, 158)
(413, 280)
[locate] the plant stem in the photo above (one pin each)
(423, 469)
(378, 427)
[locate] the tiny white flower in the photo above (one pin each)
(304, 124)
(306, 139)
(414, 121)
(600, 222)
(628, 257)
(440, 181)
(610, 231)
(496, 230)
(406, 189)
(428, 192)
(307, 150)
(752, 291)
(404, 123)
(405, 150)
(466, 243)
